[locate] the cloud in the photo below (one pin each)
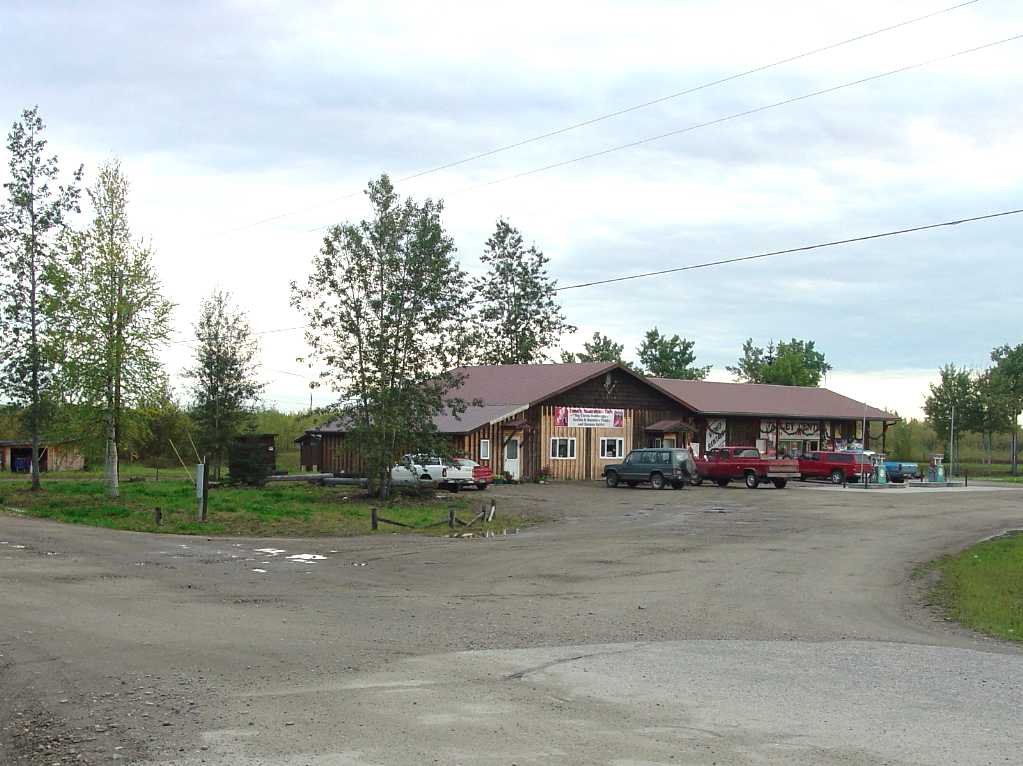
(230, 113)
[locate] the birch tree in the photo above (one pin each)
(225, 386)
(385, 303)
(32, 220)
(117, 316)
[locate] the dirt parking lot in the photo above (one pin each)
(702, 626)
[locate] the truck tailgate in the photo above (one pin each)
(782, 469)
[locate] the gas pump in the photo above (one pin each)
(880, 474)
(936, 471)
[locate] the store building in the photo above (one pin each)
(567, 421)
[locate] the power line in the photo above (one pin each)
(616, 113)
(758, 256)
(803, 248)
(734, 116)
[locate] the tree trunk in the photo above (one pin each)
(35, 456)
(1015, 445)
(113, 487)
(34, 361)
(115, 427)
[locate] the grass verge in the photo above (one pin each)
(278, 510)
(982, 586)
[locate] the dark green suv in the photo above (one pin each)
(661, 466)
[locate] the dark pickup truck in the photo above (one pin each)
(724, 464)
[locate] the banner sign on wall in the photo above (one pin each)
(588, 417)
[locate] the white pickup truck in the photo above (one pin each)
(408, 473)
(446, 473)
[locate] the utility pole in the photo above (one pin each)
(952, 443)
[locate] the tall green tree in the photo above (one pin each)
(116, 317)
(598, 349)
(225, 385)
(952, 402)
(790, 363)
(992, 413)
(519, 317)
(32, 221)
(385, 304)
(664, 357)
(1007, 381)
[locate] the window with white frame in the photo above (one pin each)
(611, 447)
(563, 448)
(484, 449)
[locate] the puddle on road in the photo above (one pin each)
(306, 557)
(271, 551)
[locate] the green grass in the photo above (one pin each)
(287, 460)
(281, 509)
(982, 586)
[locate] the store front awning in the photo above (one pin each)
(669, 426)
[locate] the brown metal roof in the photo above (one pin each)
(760, 399)
(524, 383)
(474, 417)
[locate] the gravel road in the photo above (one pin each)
(703, 626)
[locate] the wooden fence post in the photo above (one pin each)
(205, 487)
(373, 517)
(451, 518)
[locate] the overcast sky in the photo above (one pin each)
(225, 114)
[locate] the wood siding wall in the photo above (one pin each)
(588, 464)
(339, 457)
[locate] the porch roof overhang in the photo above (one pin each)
(668, 426)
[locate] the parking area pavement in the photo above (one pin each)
(705, 625)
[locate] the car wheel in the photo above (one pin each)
(678, 485)
(482, 486)
(657, 481)
(752, 480)
(780, 483)
(836, 477)
(723, 482)
(611, 479)
(454, 488)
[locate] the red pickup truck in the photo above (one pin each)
(724, 464)
(839, 467)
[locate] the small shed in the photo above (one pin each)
(311, 451)
(266, 445)
(16, 456)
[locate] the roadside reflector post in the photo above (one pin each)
(200, 480)
(202, 487)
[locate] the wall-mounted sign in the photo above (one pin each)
(717, 432)
(588, 417)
